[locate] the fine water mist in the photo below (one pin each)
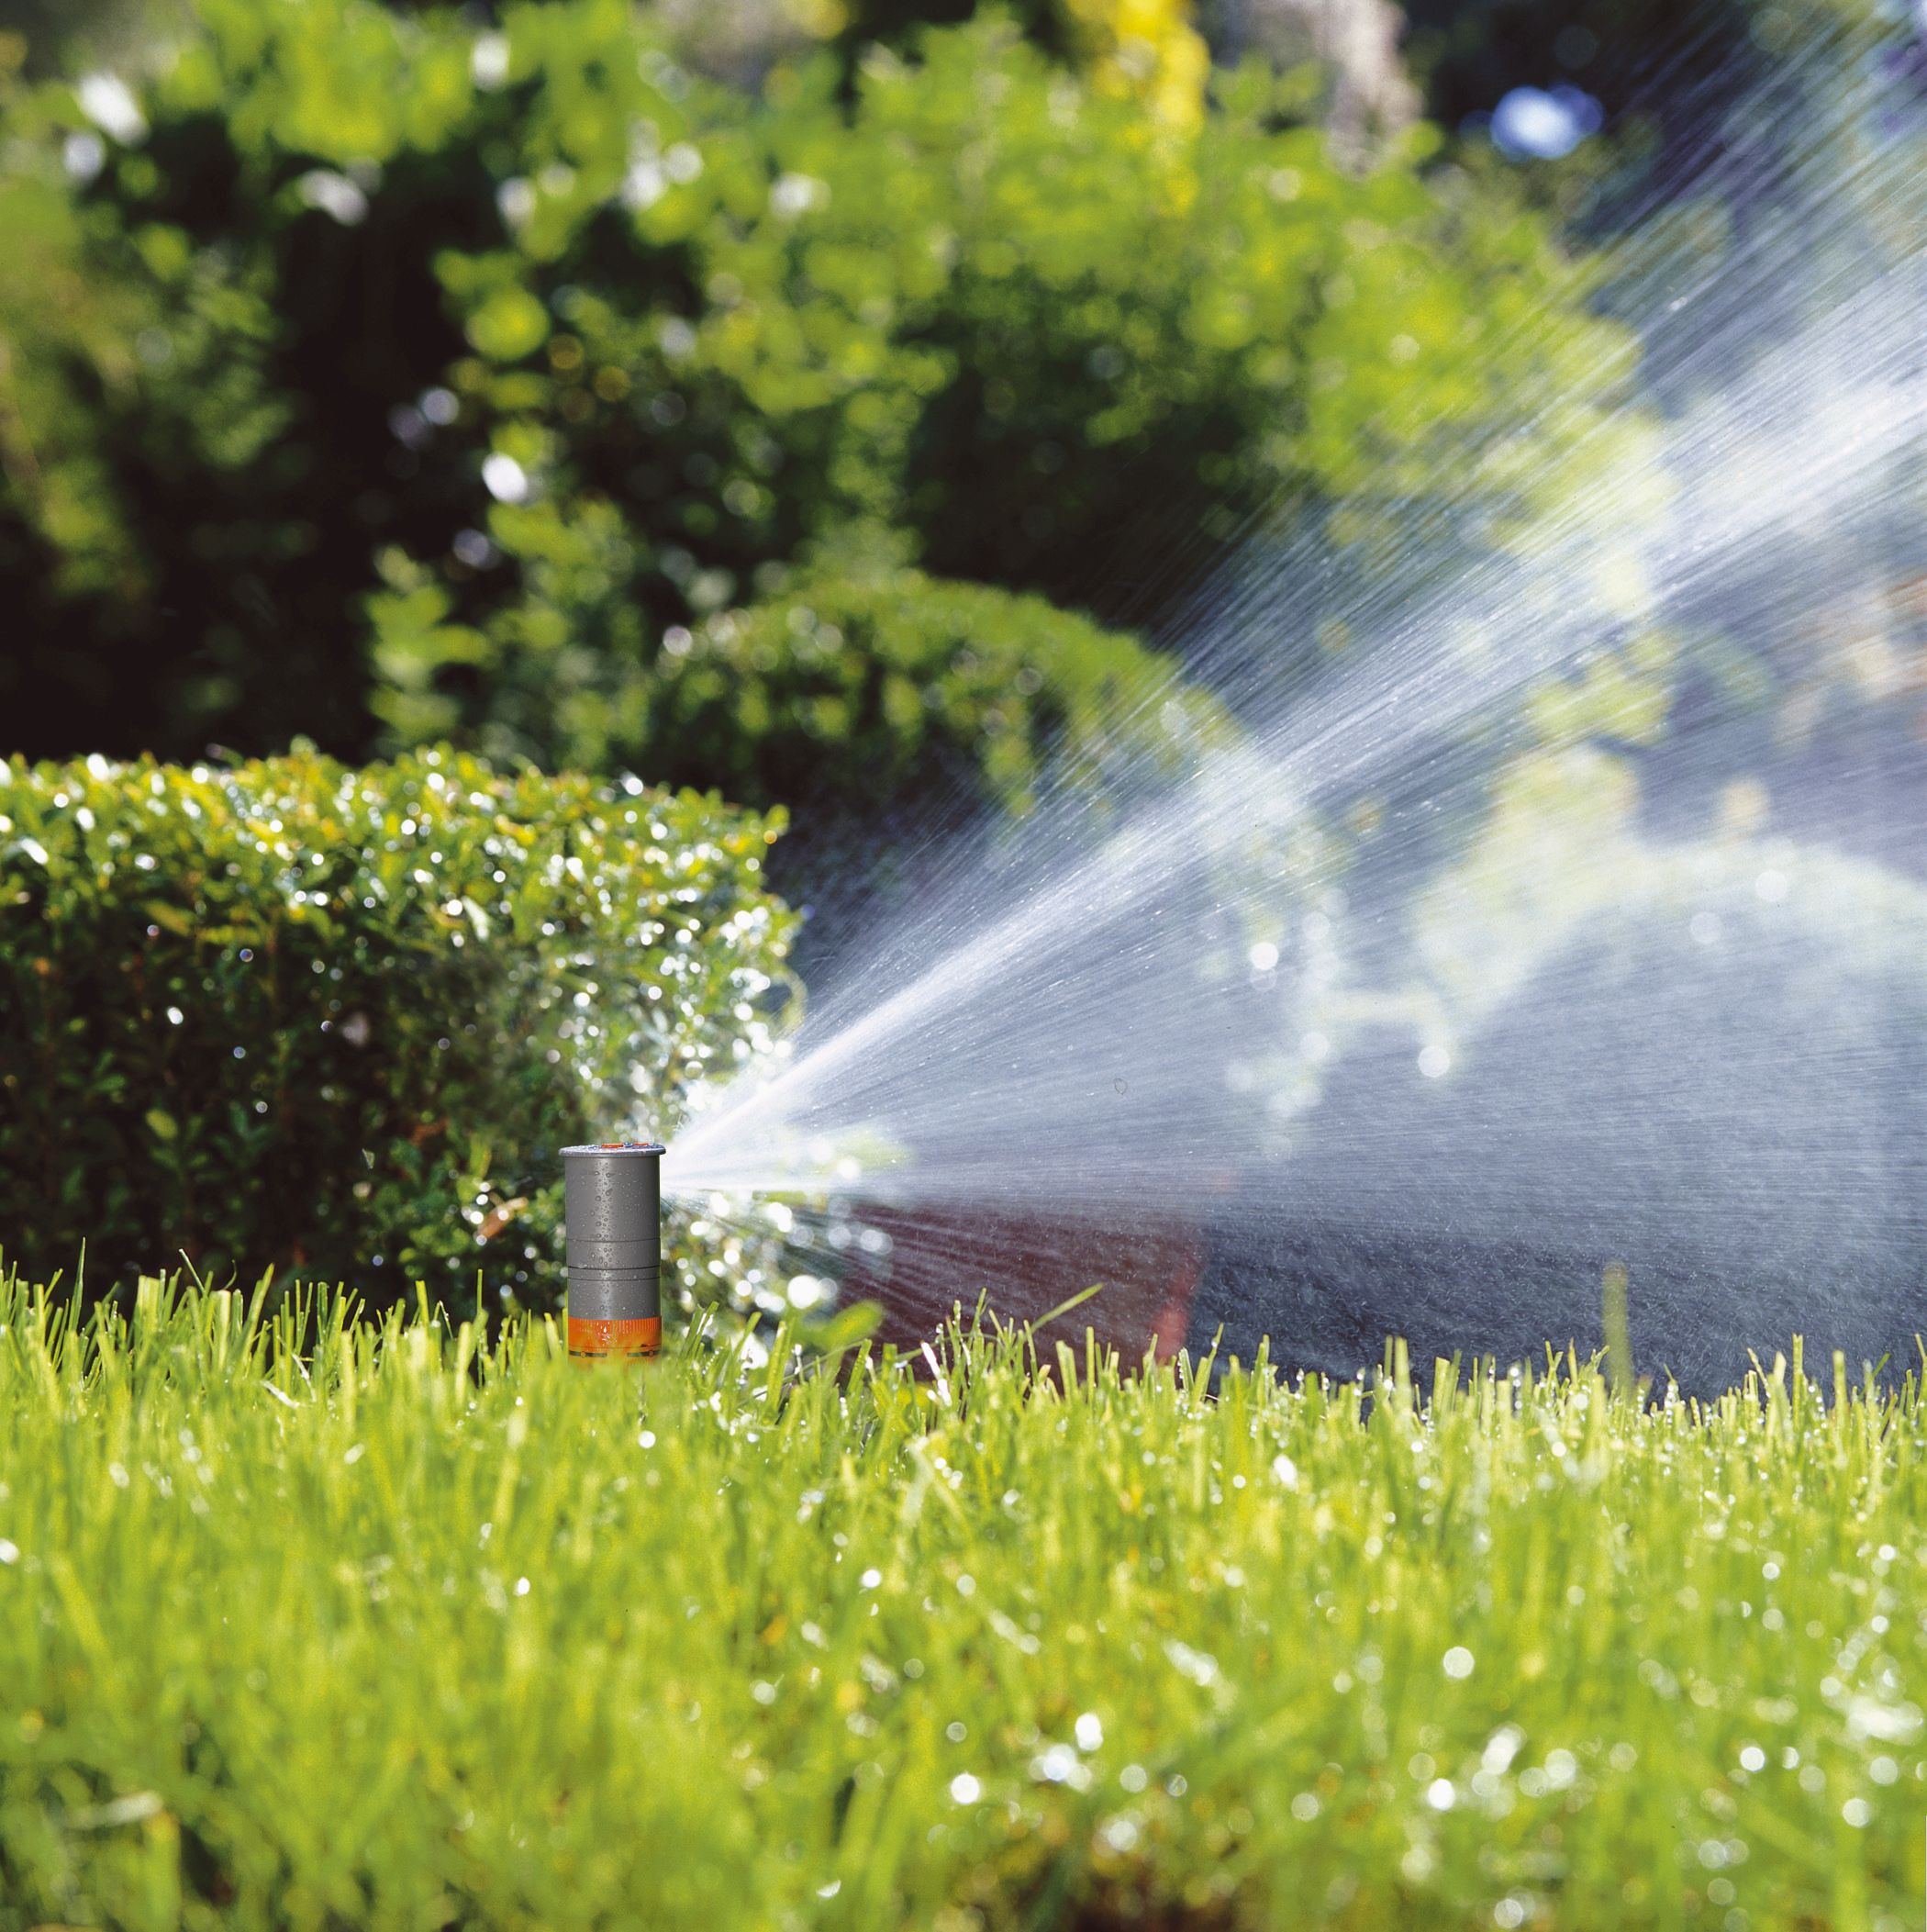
(1551, 896)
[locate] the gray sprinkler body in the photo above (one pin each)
(613, 1202)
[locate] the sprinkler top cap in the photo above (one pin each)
(617, 1147)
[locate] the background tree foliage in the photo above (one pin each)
(523, 346)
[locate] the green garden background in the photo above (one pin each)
(509, 517)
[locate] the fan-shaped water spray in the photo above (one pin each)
(1460, 974)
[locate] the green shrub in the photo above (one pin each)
(870, 701)
(988, 317)
(981, 315)
(945, 688)
(338, 1021)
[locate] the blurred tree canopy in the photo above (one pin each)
(363, 372)
(1624, 53)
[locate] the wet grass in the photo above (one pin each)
(401, 1627)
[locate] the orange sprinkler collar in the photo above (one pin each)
(591, 1338)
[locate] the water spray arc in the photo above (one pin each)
(613, 1207)
(1558, 906)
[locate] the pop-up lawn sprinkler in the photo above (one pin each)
(613, 1201)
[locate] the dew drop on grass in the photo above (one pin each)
(1457, 1661)
(965, 1789)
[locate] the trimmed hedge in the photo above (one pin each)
(338, 1021)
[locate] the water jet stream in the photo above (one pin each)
(1512, 1018)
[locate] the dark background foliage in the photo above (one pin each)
(962, 318)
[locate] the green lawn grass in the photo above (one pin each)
(402, 1629)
